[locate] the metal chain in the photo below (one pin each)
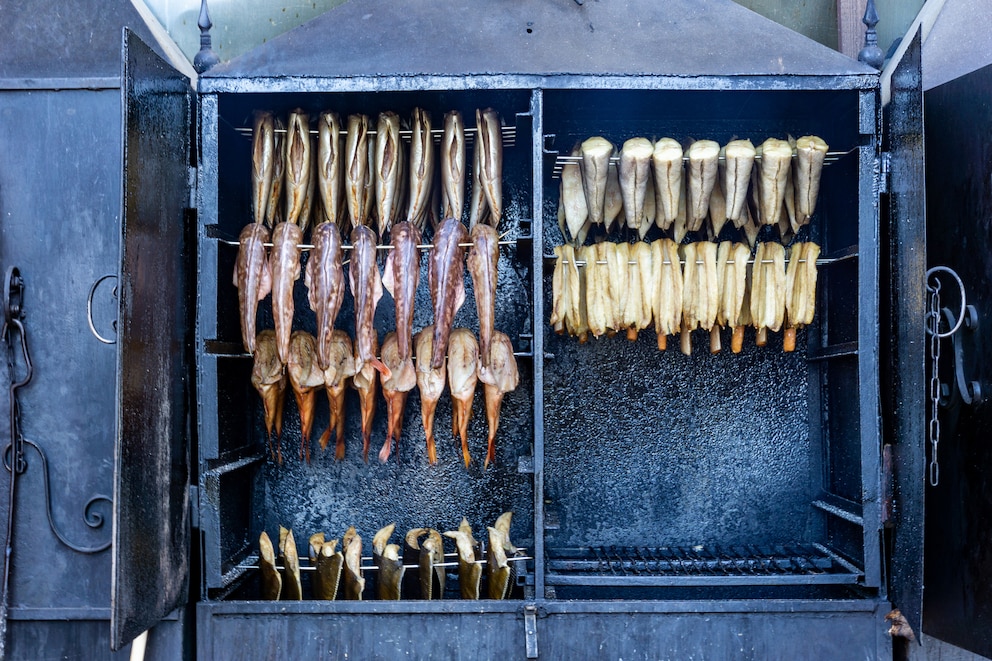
(933, 432)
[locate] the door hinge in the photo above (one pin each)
(884, 171)
(530, 630)
(888, 487)
(194, 506)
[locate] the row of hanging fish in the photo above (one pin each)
(461, 370)
(256, 274)
(697, 189)
(339, 572)
(359, 172)
(608, 288)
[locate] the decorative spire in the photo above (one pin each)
(206, 58)
(871, 54)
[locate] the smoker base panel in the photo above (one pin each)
(725, 629)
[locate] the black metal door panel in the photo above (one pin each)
(151, 495)
(904, 415)
(957, 601)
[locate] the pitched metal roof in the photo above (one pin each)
(368, 38)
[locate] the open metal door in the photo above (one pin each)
(958, 602)
(904, 415)
(151, 473)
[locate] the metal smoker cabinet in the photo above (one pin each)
(762, 460)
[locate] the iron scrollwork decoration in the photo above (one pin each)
(14, 459)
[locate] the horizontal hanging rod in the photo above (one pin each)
(562, 160)
(819, 262)
(385, 246)
(516, 558)
(509, 133)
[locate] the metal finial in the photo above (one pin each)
(206, 58)
(871, 54)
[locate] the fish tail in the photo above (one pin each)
(381, 368)
(490, 452)
(431, 451)
(339, 440)
(386, 447)
(325, 438)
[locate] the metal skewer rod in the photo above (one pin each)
(819, 262)
(831, 156)
(308, 567)
(384, 246)
(509, 132)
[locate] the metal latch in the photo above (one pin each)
(530, 630)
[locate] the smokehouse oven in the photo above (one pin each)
(629, 266)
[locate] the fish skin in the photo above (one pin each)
(324, 279)
(634, 171)
(262, 162)
(666, 161)
(271, 578)
(285, 266)
(400, 278)
(453, 166)
(431, 383)
(330, 169)
(445, 276)
(430, 553)
(572, 199)
(774, 171)
(292, 585)
(490, 137)
(366, 382)
(394, 394)
(391, 569)
(298, 161)
(469, 573)
(497, 566)
(483, 265)
(463, 365)
(305, 377)
(273, 210)
(352, 579)
(421, 168)
(341, 367)
(328, 562)
(366, 286)
(356, 173)
(478, 206)
(252, 277)
(702, 173)
(739, 160)
(387, 168)
(268, 376)
(596, 152)
(505, 378)
(807, 167)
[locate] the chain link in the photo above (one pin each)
(933, 432)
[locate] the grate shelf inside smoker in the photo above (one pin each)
(699, 565)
